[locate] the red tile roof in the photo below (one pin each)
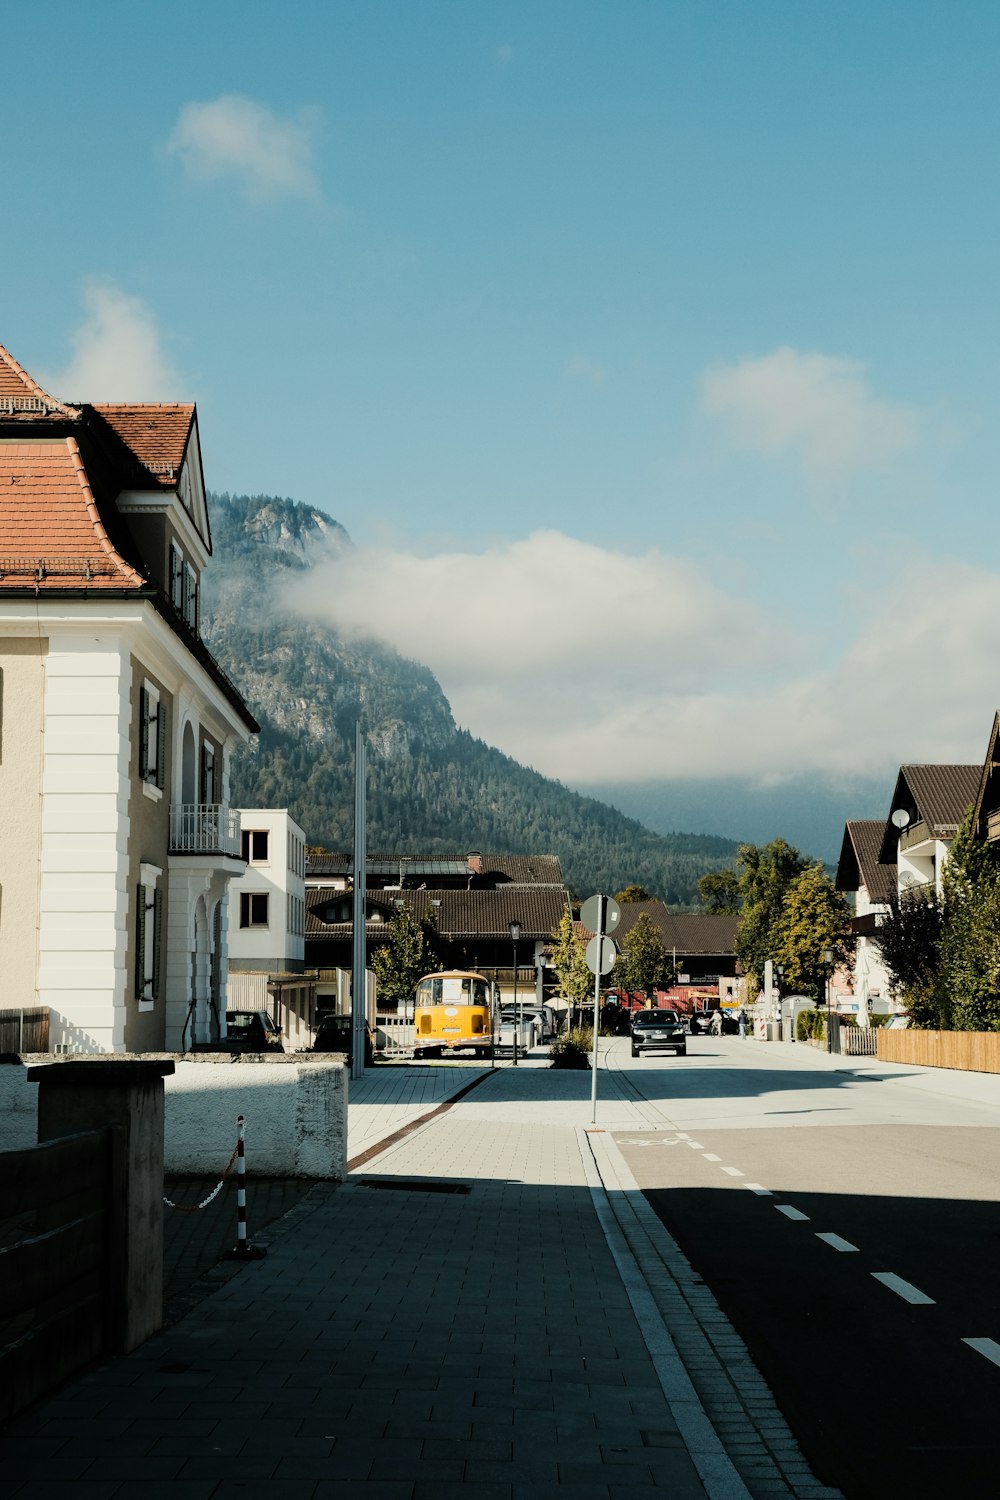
(23, 398)
(51, 534)
(157, 434)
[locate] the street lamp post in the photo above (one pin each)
(515, 935)
(827, 969)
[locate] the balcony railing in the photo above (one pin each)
(204, 828)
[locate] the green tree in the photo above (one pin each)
(814, 916)
(633, 893)
(405, 956)
(909, 937)
(720, 892)
(766, 873)
(643, 963)
(967, 991)
(568, 957)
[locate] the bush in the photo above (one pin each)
(809, 1024)
(573, 1048)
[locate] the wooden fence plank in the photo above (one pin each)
(968, 1051)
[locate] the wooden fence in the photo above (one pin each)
(972, 1051)
(24, 1030)
(61, 1239)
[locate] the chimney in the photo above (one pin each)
(475, 861)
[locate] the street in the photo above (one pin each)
(849, 1226)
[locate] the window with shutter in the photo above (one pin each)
(140, 942)
(157, 966)
(176, 577)
(161, 744)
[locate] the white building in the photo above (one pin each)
(117, 844)
(267, 902)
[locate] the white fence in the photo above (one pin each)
(393, 1036)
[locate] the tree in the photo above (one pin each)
(909, 937)
(814, 917)
(967, 990)
(568, 957)
(720, 892)
(767, 872)
(643, 965)
(633, 893)
(403, 959)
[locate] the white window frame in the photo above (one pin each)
(152, 740)
(247, 898)
(148, 937)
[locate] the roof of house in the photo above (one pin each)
(861, 861)
(938, 796)
(53, 535)
(22, 399)
(518, 869)
(689, 934)
(458, 914)
(157, 434)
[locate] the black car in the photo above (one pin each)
(253, 1029)
(335, 1034)
(658, 1031)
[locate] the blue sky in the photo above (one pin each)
(648, 351)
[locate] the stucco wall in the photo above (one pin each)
(22, 688)
(295, 1110)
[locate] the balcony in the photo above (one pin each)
(204, 828)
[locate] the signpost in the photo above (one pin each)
(601, 914)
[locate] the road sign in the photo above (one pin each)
(590, 914)
(601, 955)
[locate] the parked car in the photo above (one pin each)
(255, 1029)
(705, 1023)
(546, 1018)
(335, 1033)
(527, 1033)
(897, 1023)
(658, 1031)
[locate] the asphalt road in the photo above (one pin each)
(850, 1229)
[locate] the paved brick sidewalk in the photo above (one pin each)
(456, 1315)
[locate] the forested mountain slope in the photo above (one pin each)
(432, 786)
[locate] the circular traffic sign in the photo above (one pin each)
(601, 955)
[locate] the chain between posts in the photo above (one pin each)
(192, 1208)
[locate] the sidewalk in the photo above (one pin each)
(955, 1083)
(506, 1316)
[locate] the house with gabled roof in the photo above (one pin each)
(117, 844)
(471, 900)
(928, 804)
(870, 882)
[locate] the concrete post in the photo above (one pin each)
(88, 1094)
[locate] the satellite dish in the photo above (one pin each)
(907, 879)
(899, 818)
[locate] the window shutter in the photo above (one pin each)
(161, 744)
(186, 593)
(143, 733)
(176, 570)
(140, 941)
(193, 618)
(157, 940)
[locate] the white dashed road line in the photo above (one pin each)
(792, 1213)
(989, 1348)
(904, 1289)
(759, 1189)
(835, 1241)
(733, 1171)
(711, 1156)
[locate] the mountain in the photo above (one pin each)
(433, 787)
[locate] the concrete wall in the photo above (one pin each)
(295, 1110)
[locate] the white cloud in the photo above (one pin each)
(504, 53)
(594, 666)
(117, 353)
(817, 407)
(233, 136)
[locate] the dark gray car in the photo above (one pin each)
(658, 1031)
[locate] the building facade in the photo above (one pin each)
(116, 726)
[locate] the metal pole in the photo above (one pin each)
(601, 919)
(517, 1018)
(242, 1250)
(359, 986)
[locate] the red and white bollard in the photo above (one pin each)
(242, 1250)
